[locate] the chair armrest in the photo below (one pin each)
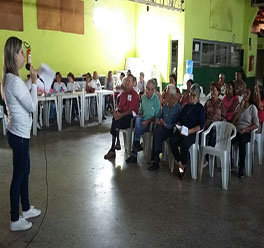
(253, 135)
(132, 122)
(234, 134)
(151, 126)
(204, 134)
(197, 137)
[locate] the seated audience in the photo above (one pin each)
(71, 87)
(141, 85)
(165, 121)
(95, 83)
(230, 100)
(59, 86)
(214, 111)
(259, 101)
(221, 83)
(173, 80)
(128, 72)
(109, 82)
(193, 118)
(109, 85)
(88, 79)
(186, 96)
(240, 84)
(245, 119)
(123, 115)
(149, 109)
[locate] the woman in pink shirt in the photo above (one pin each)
(230, 100)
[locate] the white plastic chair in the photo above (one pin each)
(249, 160)
(147, 143)
(260, 143)
(225, 132)
(194, 157)
(2, 115)
(127, 136)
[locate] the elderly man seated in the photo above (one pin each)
(165, 122)
(122, 116)
(149, 109)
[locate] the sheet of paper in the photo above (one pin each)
(196, 47)
(184, 131)
(47, 75)
(179, 127)
(134, 114)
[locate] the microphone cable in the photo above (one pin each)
(47, 185)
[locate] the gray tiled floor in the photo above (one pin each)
(97, 203)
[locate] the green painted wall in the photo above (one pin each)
(261, 43)
(126, 29)
(154, 31)
(103, 46)
(249, 16)
(239, 13)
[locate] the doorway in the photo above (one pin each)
(260, 66)
(174, 57)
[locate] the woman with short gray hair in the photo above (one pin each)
(193, 118)
(165, 121)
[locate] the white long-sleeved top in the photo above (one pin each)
(20, 103)
(73, 86)
(95, 84)
(59, 87)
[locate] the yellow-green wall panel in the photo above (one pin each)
(154, 31)
(197, 24)
(103, 47)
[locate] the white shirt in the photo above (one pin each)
(73, 86)
(95, 84)
(59, 87)
(109, 85)
(20, 103)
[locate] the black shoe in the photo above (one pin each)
(141, 147)
(137, 147)
(104, 118)
(241, 173)
(181, 173)
(131, 159)
(154, 166)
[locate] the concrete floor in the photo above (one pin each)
(96, 203)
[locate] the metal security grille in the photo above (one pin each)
(168, 4)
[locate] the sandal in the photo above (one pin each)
(181, 173)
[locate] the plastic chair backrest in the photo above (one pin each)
(1, 112)
(225, 131)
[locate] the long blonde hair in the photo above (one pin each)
(12, 47)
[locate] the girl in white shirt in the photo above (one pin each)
(59, 86)
(73, 86)
(20, 103)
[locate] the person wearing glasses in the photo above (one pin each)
(192, 120)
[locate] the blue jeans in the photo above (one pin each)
(139, 130)
(21, 169)
(52, 111)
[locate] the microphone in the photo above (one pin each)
(28, 68)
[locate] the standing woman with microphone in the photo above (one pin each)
(20, 103)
